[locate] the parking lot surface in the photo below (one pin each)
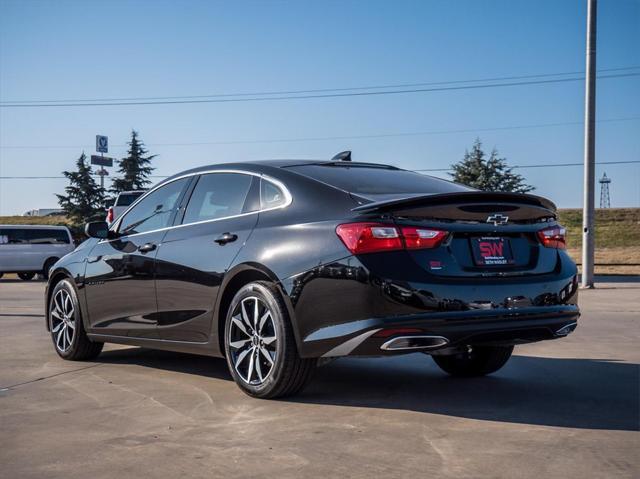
(566, 408)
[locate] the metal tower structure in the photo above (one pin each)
(605, 200)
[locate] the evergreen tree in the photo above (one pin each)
(85, 199)
(135, 168)
(487, 174)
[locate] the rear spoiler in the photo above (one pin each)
(474, 203)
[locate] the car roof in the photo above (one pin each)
(265, 166)
(131, 192)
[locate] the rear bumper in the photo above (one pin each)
(340, 307)
(375, 337)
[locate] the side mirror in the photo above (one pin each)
(97, 229)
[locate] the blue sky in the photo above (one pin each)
(93, 49)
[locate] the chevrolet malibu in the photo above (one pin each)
(278, 265)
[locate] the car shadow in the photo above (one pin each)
(559, 392)
(215, 368)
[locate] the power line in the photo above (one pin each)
(309, 96)
(547, 165)
(319, 90)
(341, 137)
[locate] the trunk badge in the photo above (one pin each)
(497, 219)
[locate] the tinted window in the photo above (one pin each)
(271, 196)
(126, 199)
(155, 210)
(377, 181)
(33, 236)
(217, 195)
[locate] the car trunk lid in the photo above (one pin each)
(489, 234)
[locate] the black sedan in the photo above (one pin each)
(279, 265)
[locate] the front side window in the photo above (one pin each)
(154, 211)
(217, 195)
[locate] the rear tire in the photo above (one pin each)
(65, 323)
(479, 361)
(26, 276)
(260, 346)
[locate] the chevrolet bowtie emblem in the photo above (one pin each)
(498, 219)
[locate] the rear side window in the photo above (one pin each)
(217, 195)
(126, 199)
(34, 236)
(155, 210)
(271, 196)
(377, 181)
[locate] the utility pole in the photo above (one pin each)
(588, 212)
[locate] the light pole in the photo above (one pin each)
(588, 212)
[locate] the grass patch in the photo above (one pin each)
(57, 220)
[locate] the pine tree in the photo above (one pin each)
(487, 174)
(85, 199)
(135, 168)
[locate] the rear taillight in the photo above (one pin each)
(419, 238)
(362, 238)
(369, 237)
(110, 215)
(553, 237)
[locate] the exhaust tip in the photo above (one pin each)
(567, 329)
(404, 343)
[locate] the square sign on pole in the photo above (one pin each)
(101, 160)
(102, 144)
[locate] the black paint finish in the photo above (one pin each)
(169, 288)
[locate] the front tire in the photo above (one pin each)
(260, 346)
(26, 276)
(65, 323)
(477, 361)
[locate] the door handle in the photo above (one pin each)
(226, 238)
(147, 247)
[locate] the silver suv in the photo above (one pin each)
(31, 249)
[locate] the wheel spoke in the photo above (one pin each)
(67, 337)
(251, 363)
(60, 338)
(71, 324)
(57, 327)
(58, 303)
(258, 367)
(239, 344)
(268, 340)
(240, 325)
(255, 315)
(56, 312)
(266, 355)
(241, 357)
(245, 316)
(68, 305)
(263, 320)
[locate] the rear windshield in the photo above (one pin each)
(33, 236)
(372, 181)
(125, 199)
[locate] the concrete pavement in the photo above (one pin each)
(566, 408)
